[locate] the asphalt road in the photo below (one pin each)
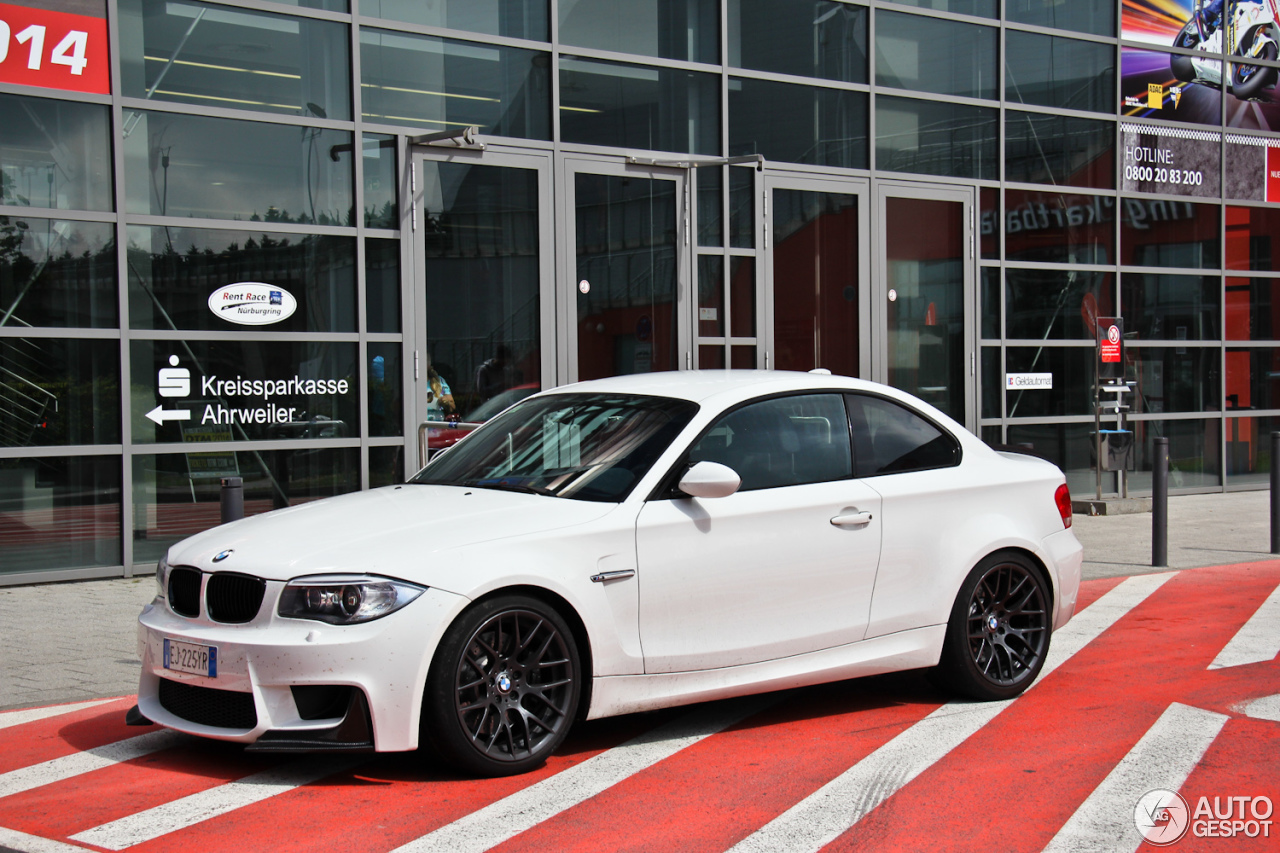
(71, 642)
(1163, 680)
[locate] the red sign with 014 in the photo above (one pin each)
(53, 50)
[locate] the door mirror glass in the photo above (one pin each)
(710, 480)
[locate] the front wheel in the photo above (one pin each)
(1180, 64)
(998, 634)
(503, 687)
(1248, 81)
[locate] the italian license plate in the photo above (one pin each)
(191, 657)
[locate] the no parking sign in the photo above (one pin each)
(1110, 331)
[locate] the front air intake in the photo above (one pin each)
(205, 706)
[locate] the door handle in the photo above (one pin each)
(605, 577)
(852, 518)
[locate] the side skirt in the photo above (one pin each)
(627, 694)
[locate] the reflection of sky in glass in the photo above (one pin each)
(179, 165)
(1198, 104)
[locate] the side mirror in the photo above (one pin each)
(710, 480)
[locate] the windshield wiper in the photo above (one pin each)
(503, 485)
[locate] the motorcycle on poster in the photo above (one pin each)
(1242, 29)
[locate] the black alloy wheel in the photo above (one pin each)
(503, 688)
(998, 635)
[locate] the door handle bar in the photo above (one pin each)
(605, 577)
(852, 518)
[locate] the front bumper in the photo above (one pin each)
(385, 660)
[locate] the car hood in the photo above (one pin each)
(399, 531)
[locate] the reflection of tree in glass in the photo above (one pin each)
(274, 214)
(8, 194)
(50, 281)
(381, 217)
(48, 395)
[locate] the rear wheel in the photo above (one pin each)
(998, 634)
(1248, 81)
(503, 688)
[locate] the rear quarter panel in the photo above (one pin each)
(939, 524)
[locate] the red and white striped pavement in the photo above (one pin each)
(1161, 681)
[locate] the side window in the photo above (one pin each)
(785, 441)
(889, 439)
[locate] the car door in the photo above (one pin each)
(914, 465)
(784, 566)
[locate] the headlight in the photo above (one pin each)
(345, 600)
(162, 574)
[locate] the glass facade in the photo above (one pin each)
(281, 231)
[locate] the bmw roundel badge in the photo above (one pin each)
(222, 556)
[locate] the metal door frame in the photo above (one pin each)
(767, 182)
(966, 196)
(413, 259)
(566, 315)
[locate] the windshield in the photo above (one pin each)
(590, 447)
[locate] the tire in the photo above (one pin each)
(503, 688)
(1179, 64)
(998, 635)
(1248, 81)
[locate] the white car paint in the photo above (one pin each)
(710, 569)
(756, 591)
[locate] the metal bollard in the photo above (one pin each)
(1275, 493)
(1160, 504)
(232, 499)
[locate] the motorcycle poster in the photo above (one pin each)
(1244, 33)
(1148, 89)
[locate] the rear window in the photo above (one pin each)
(889, 438)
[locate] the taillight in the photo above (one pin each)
(1062, 498)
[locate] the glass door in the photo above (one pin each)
(482, 237)
(815, 238)
(925, 285)
(624, 278)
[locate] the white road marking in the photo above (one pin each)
(508, 817)
(31, 715)
(1163, 758)
(11, 839)
(1266, 708)
(833, 809)
(57, 769)
(1258, 640)
(188, 811)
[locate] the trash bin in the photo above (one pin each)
(1116, 446)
